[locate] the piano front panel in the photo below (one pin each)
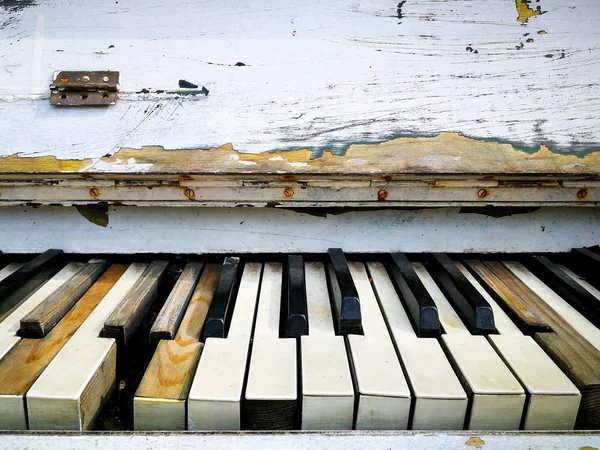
(254, 376)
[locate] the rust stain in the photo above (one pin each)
(525, 11)
(475, 442)
(446, 153)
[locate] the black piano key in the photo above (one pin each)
(470, 304)
(567, 288)
(422, 310)
(586, 263)
(221, 307)
(346, 303)
(296, 320)
(21, 276)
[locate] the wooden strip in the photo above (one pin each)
(170, 316)
(440, 402)
(9, 327)
(126, 318)
(21, 367)
(160, 400)
(17, 278)
(46, 315)
(73, 388)
(492, 275)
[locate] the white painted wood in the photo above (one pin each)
(70, 391)
(11, 324)
(230, 230)
(214, 401)
(273, 368)
(553, 400)
(566, 311)
(497, 399)
(327, 390)
(316, 74)
(384, 396)
(440, 402)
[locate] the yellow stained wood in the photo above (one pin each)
(21, 367)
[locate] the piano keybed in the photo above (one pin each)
(311, 342)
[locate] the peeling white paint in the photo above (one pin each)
(298, 164)
(119, 166)
(276, 158)
(247, 163)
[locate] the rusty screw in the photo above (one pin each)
(382, 194)
(64, 79)
(289, 192)
(582, 193)
(94, 192)
(189, 193)
(482, 193)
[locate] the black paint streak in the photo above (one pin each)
(548, 55)
(187, 85)
(240, 64)
(13, 8)
(470, 49)
(399, 10)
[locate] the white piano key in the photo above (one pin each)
(214, 401)
(384, 397)
(272, 375)
(327, 390)
(440, 402)
(497, 398)
(70, 392)
(11, 324)
(553, 400)
(552, 299)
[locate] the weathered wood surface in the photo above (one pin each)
(513, 78)
(22, 366)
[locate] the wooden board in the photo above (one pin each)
(76, 384)
(170, 316)
(160, 399)
(40, 321)
(22, 366)
(330, 76)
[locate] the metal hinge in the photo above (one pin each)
(84, 88)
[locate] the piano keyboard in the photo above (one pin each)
(311, 342)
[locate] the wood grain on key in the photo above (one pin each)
(160, 400)
(495, 278)
(22, 366)
(170, 316)
(46, 315)
(576, 356)
(126, 318)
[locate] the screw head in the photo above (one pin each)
(85, 79)
(105, 79)
(382, 194)
(289, 192)
(64, 79)
(482, 193)
(189, 193)
(94, 192)
(582, 193)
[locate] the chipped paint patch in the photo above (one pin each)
(525, 11)
(475, 442)
(118, 166)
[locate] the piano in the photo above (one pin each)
(323, 224)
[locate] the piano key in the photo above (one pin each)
(221, 307)
(25, 272)
(421, 308)
(567, 345)
(581, 282)
(160, 399)
(271, 397)
(296, 323)
(472, 307)
(346, 303)
(548, 303)
(124, 321)
(496, 397)
(440, 402)
(492, 275)
(215, 398)
(73, 388)
(557, 280)
(40, 321)
(327, 390)
(21, 367)
(170, 316)
(9, 327)
(383, 394)
(552, 399)
(586, 261)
